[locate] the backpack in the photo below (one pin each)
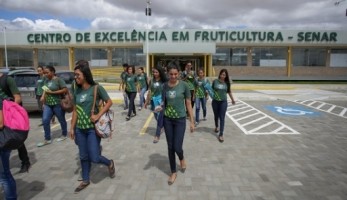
(16, 122)
(4, 86)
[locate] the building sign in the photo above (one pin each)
(188, 36)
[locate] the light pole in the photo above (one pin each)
(5, 47)
(148, 13)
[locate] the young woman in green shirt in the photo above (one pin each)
(131, 88)
(176, 99)
(82, 128)
(221, 87)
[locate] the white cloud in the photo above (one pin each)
(37, 25)
(109, 14)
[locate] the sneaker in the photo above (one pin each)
(196, 123)
(46, 142)
(62, 138)
(140, 108)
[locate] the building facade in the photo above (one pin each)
(247, 54)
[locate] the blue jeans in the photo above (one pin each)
(219, 111)
(197, 108)
(6, 178)
(125, 97)
(89, 149)
(142, 96)
(131, 96)
(174, 131)
(47, 115)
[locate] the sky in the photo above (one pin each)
(48, 15)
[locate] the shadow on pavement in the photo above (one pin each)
(159, 161)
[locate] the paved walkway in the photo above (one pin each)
(309, 165)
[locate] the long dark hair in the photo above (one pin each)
(83, 66)
(226, 80)
(162, 74)
(132, 67)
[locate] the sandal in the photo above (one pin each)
(221, 139)
(156, 139)
(216, 130)
(111, 170)
(183, 165)
(127, 118)
(172, 178)
(81, 186)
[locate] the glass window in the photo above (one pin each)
(53, 57)
(309, 57)
(269, 57)
(338, 58)
(19, 58)
(96, 57)
(230, 57)
(132, 56)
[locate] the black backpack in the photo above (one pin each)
(5, 88)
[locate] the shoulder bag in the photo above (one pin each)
(103, 127)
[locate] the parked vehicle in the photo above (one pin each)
(26, 83)
(67, 76)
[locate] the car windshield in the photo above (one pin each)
(26, 80)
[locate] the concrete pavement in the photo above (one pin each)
(268, 153)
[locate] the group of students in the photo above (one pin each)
(171, 97)
(131, 84)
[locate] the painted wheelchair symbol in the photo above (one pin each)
(290, 111)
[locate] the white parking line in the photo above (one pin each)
(325, 107)
(259, 123)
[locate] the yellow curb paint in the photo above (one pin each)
(111, 87)
(145, 126)
(57, 124)
(117, 101)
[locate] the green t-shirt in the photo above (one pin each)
(156, 87)
(123, 75)
(190, 79)
(220, 90)
(54, 85)
(131, 83)
(39, 84)
(83, 100)
(142, 78)
(200, 90)
(175, 100)
(11, 85)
